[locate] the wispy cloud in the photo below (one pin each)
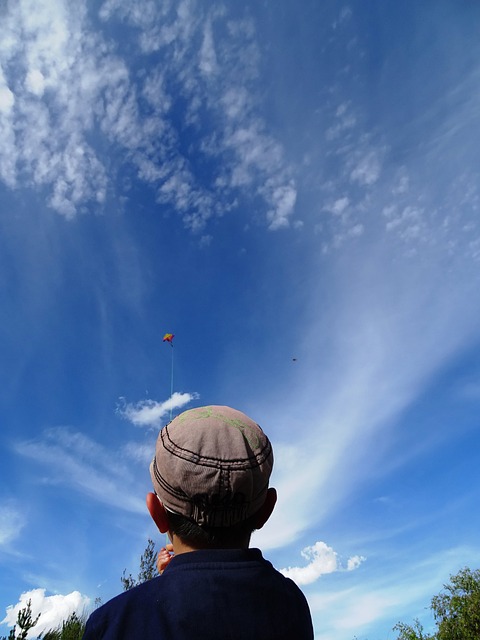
(52, 151)
(12, 521)
(322, 559)
(367, 169)
(75, 460)
(386, 334)
(66, 91)
(53, 609)
(391, 311)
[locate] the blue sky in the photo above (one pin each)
(294, 192)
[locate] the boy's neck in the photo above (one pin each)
(179, 546)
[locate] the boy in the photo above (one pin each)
(211, 475)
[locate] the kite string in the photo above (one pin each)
(171, 384)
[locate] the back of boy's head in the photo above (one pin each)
(212, 465)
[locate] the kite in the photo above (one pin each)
(168, 337)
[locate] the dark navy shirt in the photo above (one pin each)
(219, 594)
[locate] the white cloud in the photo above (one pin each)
(35, 82)
(345, 612)
(7, 99)
(354, 562)
(322, 560)
(12, 522)
(345, 14)
(356, 230)
(339, 206)
(367, 170)
(409, 223)
(53, 609)
(367, 608)
(7, 160)
(149, 413)
(402, 184)
(469, 390)
(345, 120)
(254, 151)
(205, 240)
(208, 60)
(141, 453)
(235, 102)
(283, 199)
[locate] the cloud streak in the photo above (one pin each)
(12, 522)
(75, 460)
(392, 325)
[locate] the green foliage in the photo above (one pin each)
(148, 568)
(72, 629)
(25, 622)
(411, 632)
(456, 611)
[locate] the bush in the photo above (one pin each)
(456, 611)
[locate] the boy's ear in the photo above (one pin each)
(265, 511)
(157, 511)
